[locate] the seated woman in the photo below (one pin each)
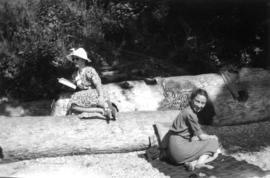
(187, 143)
(90, 96)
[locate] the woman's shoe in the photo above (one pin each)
(207, 166)
(113, 110)
(189, 166)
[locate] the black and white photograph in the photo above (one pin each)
(135, 88)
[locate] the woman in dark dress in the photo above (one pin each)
(188, 144)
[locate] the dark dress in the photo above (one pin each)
(180, 147)
(86, 80)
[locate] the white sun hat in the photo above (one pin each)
(80, 52)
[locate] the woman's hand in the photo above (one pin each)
(206, 137)
(213, 137)
(195, 138)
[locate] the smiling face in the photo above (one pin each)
(79, 62)
(198, 103)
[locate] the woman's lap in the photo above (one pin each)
(181, 150)
(84, 98)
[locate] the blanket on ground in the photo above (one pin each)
(224, 167)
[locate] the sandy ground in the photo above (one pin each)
(122, 165)
(261, 158)
(128, 165)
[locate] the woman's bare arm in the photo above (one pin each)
(98, 85)
(204, 136)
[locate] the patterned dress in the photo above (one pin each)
(180, 147)
(86, 80)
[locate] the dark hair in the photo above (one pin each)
(198, 91)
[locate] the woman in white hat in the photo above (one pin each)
(90, 92)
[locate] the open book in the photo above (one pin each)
(67, 83)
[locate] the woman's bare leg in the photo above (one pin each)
(89, 110)
(206, 159)
(107, 112)
(203, 160)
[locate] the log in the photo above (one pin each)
(34, 137)
(224, 108)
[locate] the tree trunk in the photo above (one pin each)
(33, 137)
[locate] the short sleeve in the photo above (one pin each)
(176, 123)
(92, 74)
(192, 122)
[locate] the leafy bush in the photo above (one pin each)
(176, 95)
(35, 37)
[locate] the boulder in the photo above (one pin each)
(241, 99)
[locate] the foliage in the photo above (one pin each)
(36, 36)
(176, 95)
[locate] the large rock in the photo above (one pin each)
(172, 93)
(140, 97)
